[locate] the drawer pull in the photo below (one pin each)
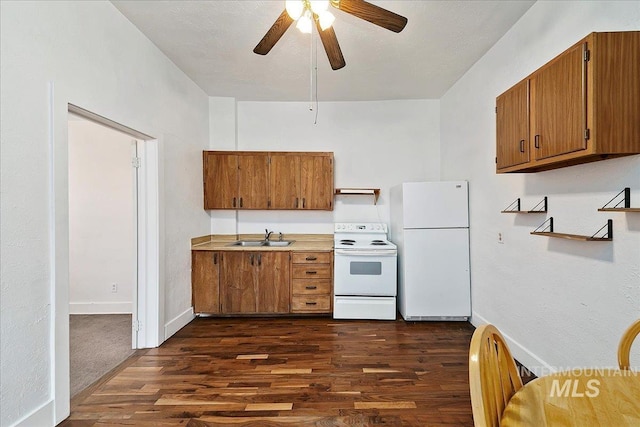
(311, 303)
(311, 258)
(311, 287)
(311, 272)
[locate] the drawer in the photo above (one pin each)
(312, 257)
(300, 303)
(312, 271)
(311, 286)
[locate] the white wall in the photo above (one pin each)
(562, 303)
(375, 145)
(94, 58)
(101, 219)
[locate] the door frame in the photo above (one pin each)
(149, 313)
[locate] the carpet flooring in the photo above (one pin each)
(98, 342)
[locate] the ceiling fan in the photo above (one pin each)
(308, 11)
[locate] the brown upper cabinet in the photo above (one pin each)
(268, 180)
(235, 180)
(582, 106)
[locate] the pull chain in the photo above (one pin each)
(311, 70)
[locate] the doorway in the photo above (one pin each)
(102, 249)
(147, 305)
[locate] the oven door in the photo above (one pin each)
(365, 272)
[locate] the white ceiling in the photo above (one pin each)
(212, 42)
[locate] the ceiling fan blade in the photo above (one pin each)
(272, 36)
(331, 46)
(374, 14)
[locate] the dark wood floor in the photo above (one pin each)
(289, 372)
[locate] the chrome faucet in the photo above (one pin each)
(267, 234)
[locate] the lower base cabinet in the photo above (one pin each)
(261, 282)
(254, 282)
(205, 281)
(312, 280)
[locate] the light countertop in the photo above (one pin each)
(302, 242)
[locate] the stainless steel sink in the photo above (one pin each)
(274, 243)
(247, 243)
(278, 242)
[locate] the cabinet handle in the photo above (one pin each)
(240, 201)
(311, 287)
(311, 258)
(536, 141)
(215, 258)
(311, 272)
(296, 203)
(522, 145)
(251, 258)
(304, 203)
(234, 202)
(259, 259)
(311, 303)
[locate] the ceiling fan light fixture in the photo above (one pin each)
(319, 6)
(294, 8)
(326, 19)
(304, 23)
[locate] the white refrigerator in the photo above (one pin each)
(430, 226)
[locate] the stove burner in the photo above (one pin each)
(347, 241)
(378, 243)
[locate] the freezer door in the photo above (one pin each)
(436, 279)
(435, 204)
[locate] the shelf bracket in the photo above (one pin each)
(609, 227)
(540, 207)
(625, 200)
(513, 207)
(546, 226)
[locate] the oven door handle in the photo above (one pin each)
(364, 252)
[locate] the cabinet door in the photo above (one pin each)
(558, 114)
(220, 175)
(237, 282)
(316, 174)
(205, 282)
(512, 126)
(253, 181)
(273, 282)
(284, 182)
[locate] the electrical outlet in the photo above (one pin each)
(114, 288)
(500, 238)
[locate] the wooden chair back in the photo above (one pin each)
(624, 348)
(493, 376)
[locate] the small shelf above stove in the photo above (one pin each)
(375, 192)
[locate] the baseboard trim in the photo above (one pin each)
(100, 308)
(178, 322)
(526, 357)
(41, 416)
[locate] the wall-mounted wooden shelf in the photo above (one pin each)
(514, 207)
(546, 229)
(375, 192)
(625, 201)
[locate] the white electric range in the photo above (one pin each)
(365, 272)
